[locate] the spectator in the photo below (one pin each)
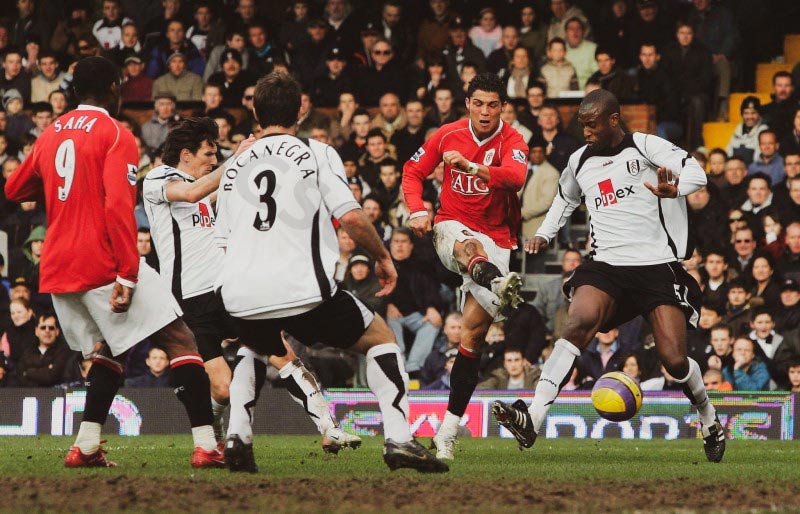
(521, 73)
(29, 25)
(128, 45)
(602, 355)
(346, 248)
(407, 139)
(212, 101)
(689, 63)
(234, 40)
(225, 123)
(744, 247)
(616, 31)
(768, 161)
(355, 147)
(204, 23)
(387, 189)
(787, 315)
(460, 50)
(715, 28)
(525, 329)
(655, 86)
(716, 167)
(184, 85)
(529, 117)
(580, 52)
(108, 29)
(781, 198)
(48, 79)
(788, 265)
(383, 76)
(747, 372)
(144, 245)
(734, 190)
(24, 218)
(715, 381)
(42, 117)
(498, 61)
(744, 142)
(68, 29)
(721, 351)
(24, 261)
(390, 117)
(707, 214)
(563, 12)
(157, 374)
(610, 77)
(793, 376)
(58, 101)
(651, 25)
(541, 186)
(432, 35)
(154, 132)
(560, 145)
(232, 79)
(339, 14)
(376, 155)
(14, 77)
(513, 375)
(173, 41)
(157, 25)
(309, 58)
(532, 34)
(137, 86)
(263, 54)
(509, 116)
(766, 285)
(294, 28)
(327, 89)
(759, 200)
(790, 139)
(549, 296)
(443, 111)
(715, 287)
(487, 34)
(308, 117)
(449, 338)
(738, 307)
(780, 112)
(20, 335)
(412, 305)
(442, 380)
(245, 127)
(43, 365)
(632, 367)
(360, 280)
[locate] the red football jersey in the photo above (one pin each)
(492, 209)
(84, 165)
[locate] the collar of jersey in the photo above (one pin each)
(84, 107)
(475, 138)
(171, 169)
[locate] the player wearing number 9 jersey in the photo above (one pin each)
(84, 165)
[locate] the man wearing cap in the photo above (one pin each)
(155, 131)
(232, 79)
(184, 85)
(541, 186)
(137, 87)
(787, 315)
(326, 89)
(744, 140)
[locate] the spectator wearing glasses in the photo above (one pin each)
(383, 76)
(245, 127)
(744, 247)
(43, 365)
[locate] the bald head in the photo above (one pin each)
(600, 101)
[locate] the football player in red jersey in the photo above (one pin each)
(84, 165)
(476, 227)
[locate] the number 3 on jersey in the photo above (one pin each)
(265, 185)
(65, 167)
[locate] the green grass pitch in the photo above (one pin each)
(488, 475)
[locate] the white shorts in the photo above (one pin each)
(86, 317)
(445, 235)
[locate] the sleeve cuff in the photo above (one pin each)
(418, 214)
(543, 237)
(125, 282)
(343, 209)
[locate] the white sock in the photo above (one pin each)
(555, 372)
(449, 425)
(218, 409)
(204, 437)
(305, 392)
(243, 394)
(88, 439)
(388, 380)
(695, 390)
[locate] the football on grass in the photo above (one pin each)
(616, 396)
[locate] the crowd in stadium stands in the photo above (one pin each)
(378, 77)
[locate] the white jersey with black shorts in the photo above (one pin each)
(637, 238)
(274, 208)
(183, 235)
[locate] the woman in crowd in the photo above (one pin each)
(766, 285)
(20, 336)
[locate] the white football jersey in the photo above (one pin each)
(274, 209)
(183, 235)
(628, 224)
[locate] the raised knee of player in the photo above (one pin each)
(377, 333)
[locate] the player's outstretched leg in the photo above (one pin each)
(388, 380)
(463, 377)
(249, 375)
(190, 380)
(103, 381)
(669, 333)
(473, 257)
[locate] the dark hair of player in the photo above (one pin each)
(488, 82)
(93, 78)
(277, 100)
(606, 103)
(189, 134)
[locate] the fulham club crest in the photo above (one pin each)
(633, 167)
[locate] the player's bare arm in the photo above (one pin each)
(667, 186)
(361, 230)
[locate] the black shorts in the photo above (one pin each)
(339, 322)
(638, 290)
(209, 322)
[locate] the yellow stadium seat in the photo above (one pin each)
(791, 48)
(764, 73)
(734, 114)
(717, 134)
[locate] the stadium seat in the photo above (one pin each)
(791, 48)
(717, 134)
(734, 116)
(764, 73)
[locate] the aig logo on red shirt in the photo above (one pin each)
(609, 195)
(466, 184)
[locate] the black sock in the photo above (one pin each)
(483, 272)
(102, 384)
(463, 379)
(190, 380)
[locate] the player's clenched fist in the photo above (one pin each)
(387, 276)
(535, 245)
(455, 159)
(420, 225)
(121, 298)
